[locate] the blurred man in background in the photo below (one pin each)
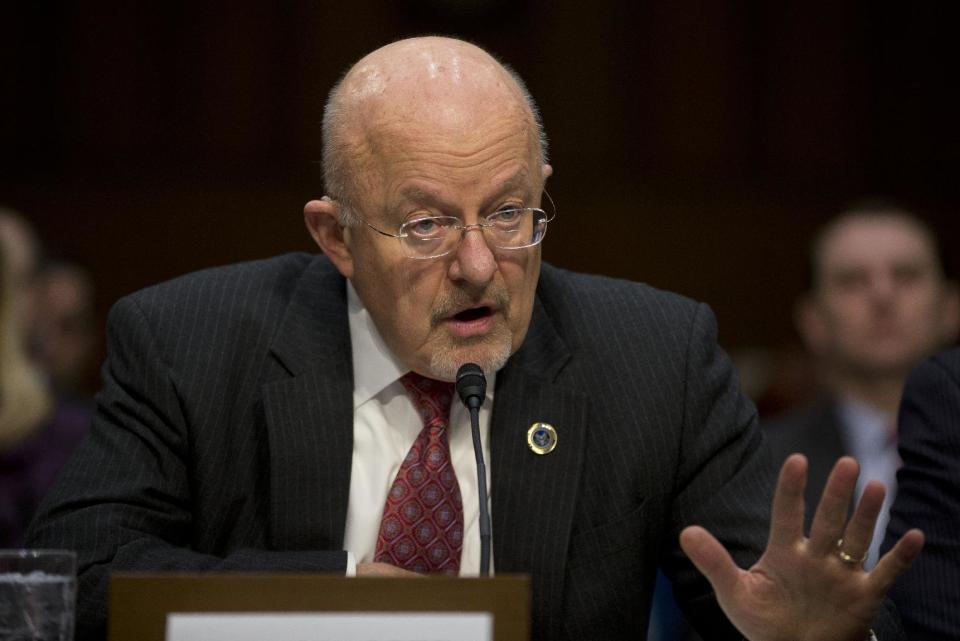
(65, 335)
(879, 303)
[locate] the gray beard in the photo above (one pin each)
(444, 363)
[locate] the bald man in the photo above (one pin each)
(292, 414)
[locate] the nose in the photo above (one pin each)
(883, 286)
(473, 261)
(883, 292)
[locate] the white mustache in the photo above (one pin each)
(459, 300)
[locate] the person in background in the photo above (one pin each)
(37, 433)
(879, 303)
(65, 338)
(928, 496)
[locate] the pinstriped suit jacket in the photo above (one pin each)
(223, 435)
(928, 497)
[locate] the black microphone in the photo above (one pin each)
(472, 389)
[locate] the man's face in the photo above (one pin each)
(65, 329)
(474, 304)
(880, 302)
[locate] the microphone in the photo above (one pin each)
(472, 389)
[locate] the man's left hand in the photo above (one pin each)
(806, 589)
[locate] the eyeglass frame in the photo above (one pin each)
(463, 229)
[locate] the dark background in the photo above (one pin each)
(696, 145)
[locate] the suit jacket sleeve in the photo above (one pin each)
(725, 476)
(725, 482)
(125, 501)
(928, 497)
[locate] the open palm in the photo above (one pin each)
(806, 589)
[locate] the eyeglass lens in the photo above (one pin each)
(508, 229)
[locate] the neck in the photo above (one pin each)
(882, 393)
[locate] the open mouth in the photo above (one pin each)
(472, 314)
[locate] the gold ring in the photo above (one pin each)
(846, 558)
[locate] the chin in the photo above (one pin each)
(445, 362)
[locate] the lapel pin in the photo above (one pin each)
(542, 438)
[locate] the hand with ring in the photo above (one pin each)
(849, 559)
(807, 588)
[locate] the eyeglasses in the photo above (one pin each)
(426, 237)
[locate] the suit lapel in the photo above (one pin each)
(533, 495)
(309, 418)
(309, 415)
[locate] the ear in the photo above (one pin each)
(810, 323)
(321, 219)
(546, 171)
(951, 311)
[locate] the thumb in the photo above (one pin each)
(709, 556)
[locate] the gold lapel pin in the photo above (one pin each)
(542, 438)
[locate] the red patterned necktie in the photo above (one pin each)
(422, 524)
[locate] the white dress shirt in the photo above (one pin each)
(873, 443)
(385, 425)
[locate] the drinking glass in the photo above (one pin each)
(37, 593)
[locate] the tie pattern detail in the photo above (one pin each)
(422, 524)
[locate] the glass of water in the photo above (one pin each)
(37, 593)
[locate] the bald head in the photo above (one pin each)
(440, 87)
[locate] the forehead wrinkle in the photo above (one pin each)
(449, 146)
(418, 194)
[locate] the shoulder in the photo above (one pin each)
(591, 308)
(930, 410)
(243, 302)
(810, 428)
(228, 288)
(615, 329)
(270, 277)
(942, 369)
(569, 291)
(807, 417)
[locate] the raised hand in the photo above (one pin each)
(812, 589)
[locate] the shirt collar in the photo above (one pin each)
(867, 429)
(374, 365)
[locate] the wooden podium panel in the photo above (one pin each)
(139, 603)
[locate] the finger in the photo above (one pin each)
(831, 514)
(710, 557)
(786, 522)
(859, 531)
(896, 561)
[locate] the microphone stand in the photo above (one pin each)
(472, 386)
(482, 491)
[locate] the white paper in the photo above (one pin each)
(330, 626)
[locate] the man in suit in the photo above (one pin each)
(879, 302)
(928, 496)
(260, 416)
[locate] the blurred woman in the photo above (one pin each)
(37, 434)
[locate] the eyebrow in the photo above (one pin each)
(516, 181)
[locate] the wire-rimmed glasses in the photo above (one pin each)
(424, 237)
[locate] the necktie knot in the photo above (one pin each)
(432, 398)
